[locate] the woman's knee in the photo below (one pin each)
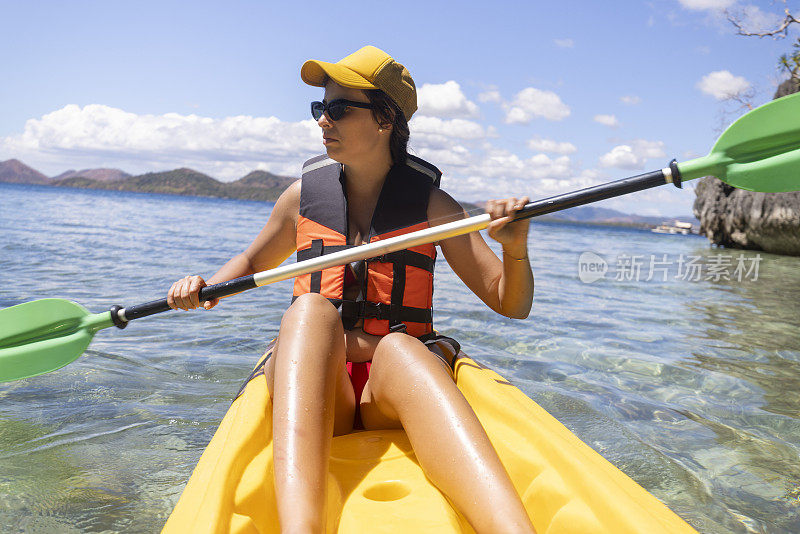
(396, 342)
(313, 307)
(311, 328)
(394, 355)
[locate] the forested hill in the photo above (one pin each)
(258, 185)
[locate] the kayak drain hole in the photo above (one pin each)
(391, 490)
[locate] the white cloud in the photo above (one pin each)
(543, 166)
(564, 43)
(531, 103)
(607, 120)
(493, 172)
(631, 100)
(455, 157)
(722, 84)
(586, 178)
(103, 134)
(492, 95)
(621, 156)
(445, 100)
(455, 128)
(713, 5)
(633, 155)
(553, 147)
(500, 173)
(433, 132)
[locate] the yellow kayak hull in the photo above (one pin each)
(376, 485)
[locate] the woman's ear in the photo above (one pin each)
(387, 122)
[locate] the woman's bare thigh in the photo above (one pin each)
(376, 419)
(344, 403)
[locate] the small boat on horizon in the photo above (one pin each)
(675, 227)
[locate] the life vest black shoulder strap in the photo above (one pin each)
(322, 195)
(403, 201)
(423, 167)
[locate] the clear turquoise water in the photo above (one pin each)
(690, 387)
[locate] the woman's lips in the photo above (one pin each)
(326, 140)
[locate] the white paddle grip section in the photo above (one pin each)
(370, 250)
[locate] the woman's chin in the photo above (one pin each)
(332, 152)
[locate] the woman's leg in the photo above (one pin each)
(312, 397)
(411, 387)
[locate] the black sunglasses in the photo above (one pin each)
(335, 108)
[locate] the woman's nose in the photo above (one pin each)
(323, 121)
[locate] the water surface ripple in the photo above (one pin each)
(691, 387)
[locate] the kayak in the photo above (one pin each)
(376, 485)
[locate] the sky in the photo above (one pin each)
(515, 98)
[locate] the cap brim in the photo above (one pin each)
(314, 72)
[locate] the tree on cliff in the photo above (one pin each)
(789, 62)
(742, 219)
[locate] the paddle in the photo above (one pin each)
(759, 152)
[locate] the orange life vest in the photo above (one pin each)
(396, 288)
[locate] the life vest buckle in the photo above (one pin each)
(369, 310)
(399, 327)
(366, 309)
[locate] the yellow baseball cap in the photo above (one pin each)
(367, 68)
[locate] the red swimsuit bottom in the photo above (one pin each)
(359, 372)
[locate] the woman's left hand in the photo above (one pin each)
(512, 235)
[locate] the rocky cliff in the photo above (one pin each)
(736, 218)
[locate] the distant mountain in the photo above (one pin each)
(102, 175)
(14, 171)
(258, 185)
(262, 179)
(605, 215)
(178, 182)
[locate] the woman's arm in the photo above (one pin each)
(505, 286)
(270, 248)
(277, 240)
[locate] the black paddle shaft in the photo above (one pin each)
(599, 192)
(223, 289)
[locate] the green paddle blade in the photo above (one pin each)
(758, 152)
(40, 336)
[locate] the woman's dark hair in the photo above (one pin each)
(385, 111)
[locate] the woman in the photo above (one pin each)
(363, 117)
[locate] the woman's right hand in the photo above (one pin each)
(185, 294)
